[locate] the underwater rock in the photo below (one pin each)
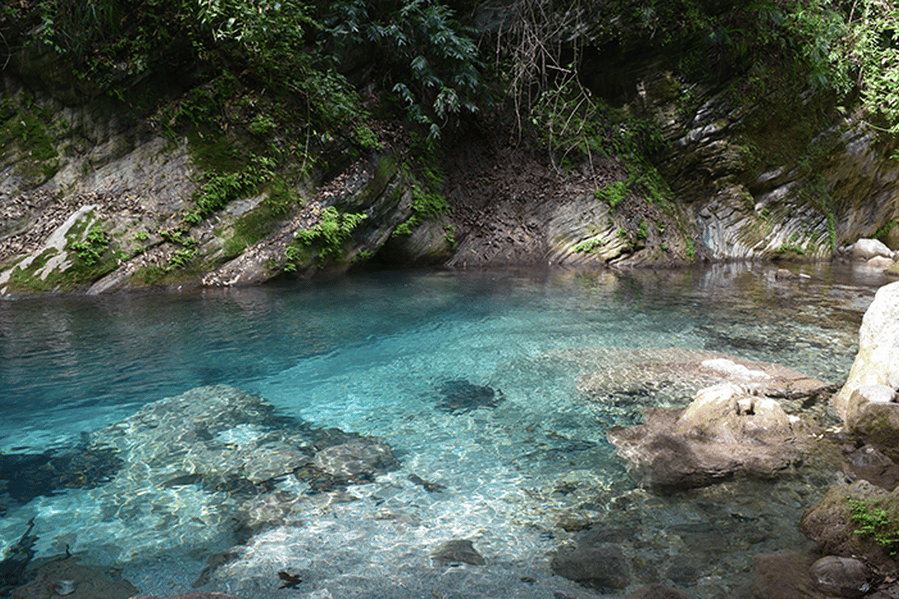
(16, 559)
(678, 373)
(356, 459)
(24, 477)
(601, 566)
(211, 435)
(459, 396)
(427, 486)
(68, 578)
(218, 454)
(658, 591)
(457, 551)
(784, 575)
(723, 432)
(189, 596)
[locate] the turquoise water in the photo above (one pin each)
(372, 354)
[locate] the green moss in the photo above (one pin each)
(39, 156)
(426, 181)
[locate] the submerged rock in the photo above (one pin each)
(457, 551)
(24, 477)
(356, 459)
(71, 579)
(784, 575)
(724, 432)
(658, 591)
(189, 596)
(459, 396)
(677, 373)
(16, 560)
(601, 566)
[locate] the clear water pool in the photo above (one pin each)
(520, 476)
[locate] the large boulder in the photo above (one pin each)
(865, 249)
(877, 361)
(725, 432)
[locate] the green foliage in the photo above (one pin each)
(327, 236)
(877, 522)
(90, 250)
(426, 180)
(220, 189)
(613, 193)
(426, 58)
(885, 230)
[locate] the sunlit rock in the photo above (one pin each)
(865, 249)
(724, 432)
(877, 361)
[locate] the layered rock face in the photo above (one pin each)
(94, 197)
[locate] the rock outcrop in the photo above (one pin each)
(725, 432)
(837, 524)
(876, 364)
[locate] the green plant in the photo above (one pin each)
(613, 193)
(90, 250)
(643, 231)
(426, 57)
(877, 522)
(885, 230)
(426, 180)
(182, 258)
(327, 236)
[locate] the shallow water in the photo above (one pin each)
(370, 354)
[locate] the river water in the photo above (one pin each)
(470, 378)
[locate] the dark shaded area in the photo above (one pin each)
(459, 396)
(24, 477)
(12, 568)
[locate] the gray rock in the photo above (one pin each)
(658, 591)
(842, 576)
(891, 592)
(864, 249)
(880, 263)
(724, 432)
(457, 551)
(829, 523)
(877, 361)
(601, 566)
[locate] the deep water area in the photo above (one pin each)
(408, 433)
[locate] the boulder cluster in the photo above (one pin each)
(736, 428)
